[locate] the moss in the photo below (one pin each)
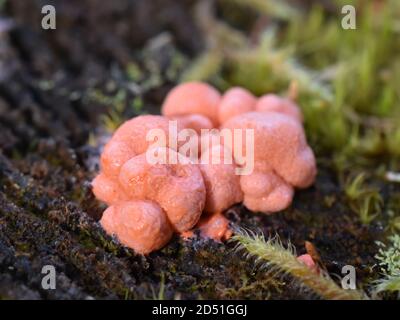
(161, 291)
(275, 259)
(137, 105)
(388, 259)
(116, 103)
(388, 284)
(365, 201)
(389, 256)
(274, 8)
(133, 71)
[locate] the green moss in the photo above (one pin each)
(133, 71)
(137, 105)
(389, 256)
(364, 200)
(161, 290)
(388, 284)
(271, 255)
(388, 259)
(274, 8)
(254, 288)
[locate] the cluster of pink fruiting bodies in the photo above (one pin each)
(149, 202)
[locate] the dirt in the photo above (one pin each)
(48, 214)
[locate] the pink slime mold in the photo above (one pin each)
(149, 202)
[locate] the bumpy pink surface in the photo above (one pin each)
(274, 103)
(279, 142)
(282, 158)
(108, 190)
(141, 225)
(130, 140)
(215, 226)
(148, 202)
(221, 182)
(235, 101)
(194, 121)
(193, 98)
(178, 188)
(266, 192)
